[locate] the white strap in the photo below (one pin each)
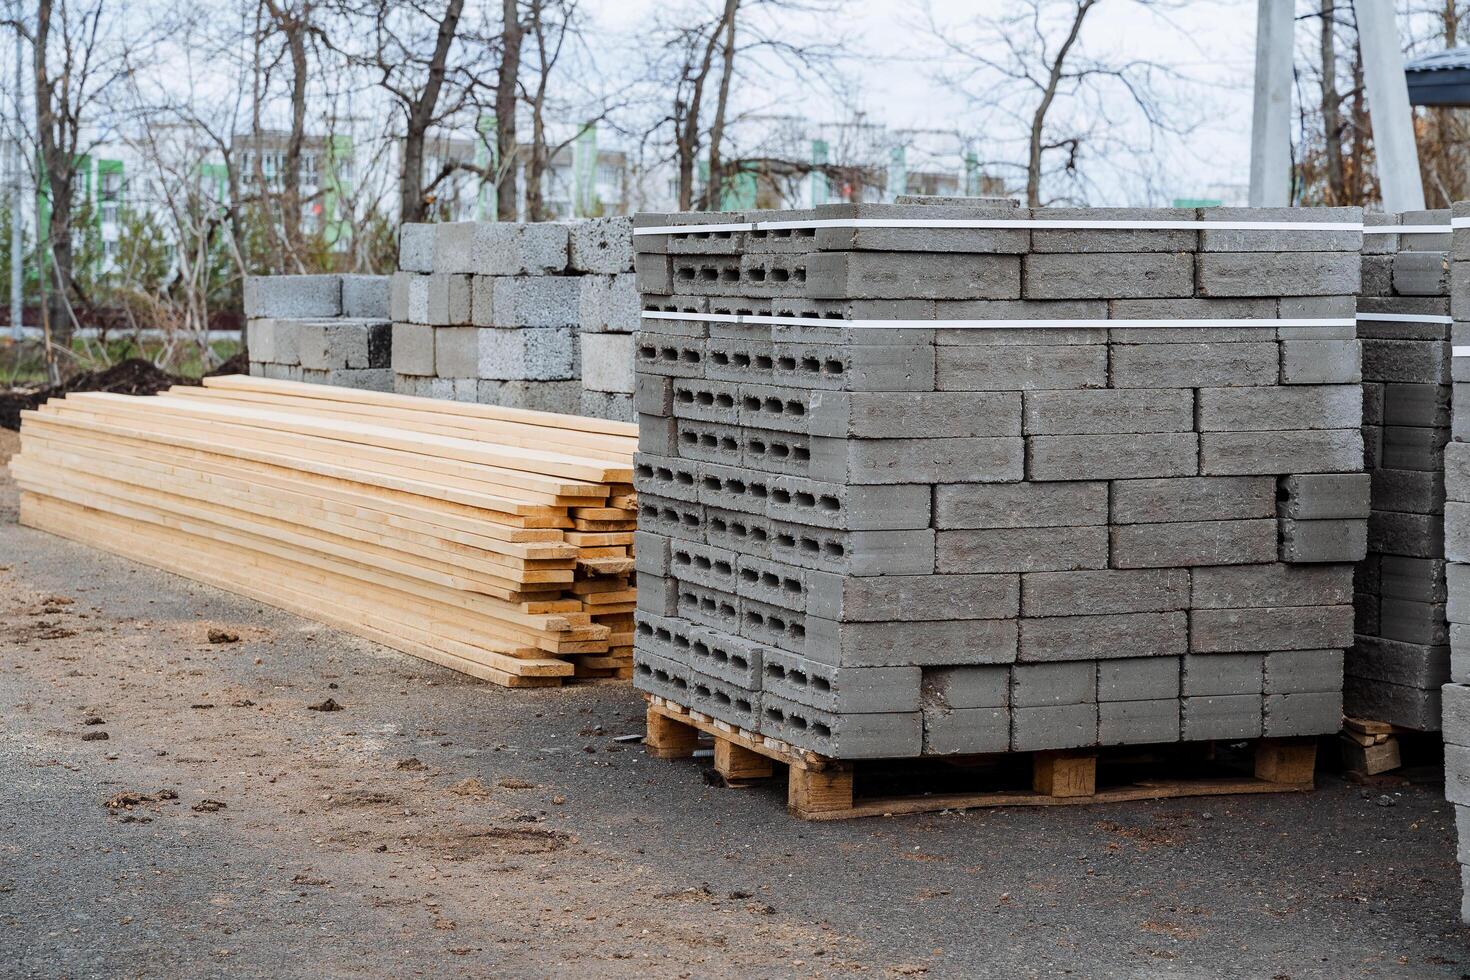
(1406, 229)
(1403, 318)
(1079, 224)
(1461, 351)
(762, 319)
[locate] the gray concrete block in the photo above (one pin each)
(1302, 671)
(651, 553)
(1419, 579)
(536, 301)
(1283, 240)
(1088, 240)
(1104, 591)
(416, 247)
(1199, 365)
(1108, 276)
(1115, 457)
(416, 290)
(1266, 629)
(704, 565)
(601, 245)
(1317, 713)
(708, 401)
(897, 735)
(1421, 273)
(1318, 362)
(363, 379)
(413, 349)
(1231, 716)
(1275, 407)
(1408, 361)
(1108, 412)
(848, 508)
(653, 395)
(1413, 448)
(1277, 274)
(847, 367)
(984, 241)
(1053, 727)
(654, 274)
(727, 702)
(889, 415)
(1322, 496)
(281, 372)
(1193, 543)
(966, 687)
(1456, 714)
(707, 607)
(1138, 722)
(928, 644)
(449, 299)
(1285, 451)
(1020, 505)
(966, 731)
(1192, 308)
(918, 597)
(1021, 368)
(272, 341)
(1414, 404)
(1022, 549)
(1392, 661)
(559, 397)
(1222, 673)
(365, 297)
(1204, 498)
(1373, 407)
(607, 362)
(841, 690)
(659, 596)
(859, 553)
(293, 297)
(504, 249)
(778, 584)
(912, 275)
(868, 461)
(1073, 682)
(1324, 540)
(661, 677)
(526, 354)
(1138, 679)
(1054, 638)
(609, 304)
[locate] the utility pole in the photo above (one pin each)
(1388, 106)
(1271, 114)
(17, 195)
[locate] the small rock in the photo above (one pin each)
(1385, 801)
(327, 705)
(558, 800)
(208, 806)
(410, 765)
(511, 782)
(470, 787)
(223, 636)
(93, 720)
(94, 736)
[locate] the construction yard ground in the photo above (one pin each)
(438, 826)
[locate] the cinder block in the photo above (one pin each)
(1054, 638)
(889, 414)
(293, 297)
(416, 247)
(843, 736)
(413, 349)
(366, 297)
(1138, 722)
(1311, 451)
(927, 644)
(919, 597)
(1115, 457)
(909, 275)
(1053, 727)
(1021, 505)
(1302, 671)
(964, 731)
(1138, 679)
(1318, 713)
(1023, 549)
(609, 304)
(1230, 716)
(1277, 274)
(560, 397)
(1193, 543)
(1255, 409)
(526, 354)
(1074, 241)
(1202, 365)
(1421, 273)
(612, 405)
(1021, 368)
(503, 249)
(841, 690)
(1108, 411)
(536, 301)
(1425, 405)
(1193, 499)
(601, 245)
(1324, 541)
(1053, 683)
(449, 299)
(1318, 362)
(1105, 591)
(1109, 276)
(1323, 496)
(1222, 673)
(871, 461)
(1283, 240)
(1271, 628)
(966, 687)
(607, 362)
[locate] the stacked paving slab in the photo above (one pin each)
(904, 541)
(494, 313)
(1401, 656)
(1456, 694)
(322, 329)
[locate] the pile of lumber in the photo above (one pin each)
(493, 541)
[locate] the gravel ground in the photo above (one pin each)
(439, 826)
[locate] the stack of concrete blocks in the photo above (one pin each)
(323, 329)
(1456, 694)
(905, 541)
(602, 253)
(494, 313)
(1401, 656)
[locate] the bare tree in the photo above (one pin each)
(507, 94)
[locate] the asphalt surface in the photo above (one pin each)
(440, 826)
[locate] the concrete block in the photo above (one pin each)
(1408, 361)
(860, 553)
(868, 461)
(1321, 362)
(654, 273)
(449, 299)
(281, 372)
(1277, 274)
(651, 553)
(1302, 671)
(1413, 448)
(1073, 241)
(416, 247)
(1193, 543)
(1275, 407)
(365, 297)
(536, 301)
(659, 596)
(1412, 535)
(611, 405)
(1200, 365)
(1398, 662)
(1023, 549)
(707, 607)
(1230, 716)
(1192, 308)
(1324, 540)
(966, 687)
(1285, 451)
(504, 249)
(1318, 713)
(889, 414)
(609, 304)
(1321, 496)
(972, 241)
(1425, 405)
(1054, 638)
(1138, 679)
(1421, 273)
(897, 735)
(1418, 579)
(1021, 505)
(413, 349)
(1204, 498)
(607, 362)
(526, 354)
(653, 395)
(1283, 240)
(918, 597)
(1221, 673)
(840, 690)
(928, 644)
(1108, 411)
(912, 275)
(293, 297)
(1115, 457)
(1053, 683)
(1397, 704)
(1021, 368)
(601, 245)
(1109, 276)
(848, 367)
(1271, 628)
(727, 702)
(1053, 727)
(966, 731)
(1104, 591)
(560, 397)
(1138, 722)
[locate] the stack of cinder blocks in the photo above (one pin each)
(899, 541)
(491, 312)
(602, 252)
(323, 329)
(1401, 656)
(1456, 694)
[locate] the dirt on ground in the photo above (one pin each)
(133, 376)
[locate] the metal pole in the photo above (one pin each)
(17, 198)
(1388, 107)
(1271, 114)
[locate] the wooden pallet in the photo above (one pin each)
(446, 531)
(1372, 748)
(819, 788)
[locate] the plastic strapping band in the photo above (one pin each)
(1403, 318)
(1406, 229)
(762, 319)
(1461, 351)
(1060, 224)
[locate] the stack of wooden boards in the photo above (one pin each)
(493, 541)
